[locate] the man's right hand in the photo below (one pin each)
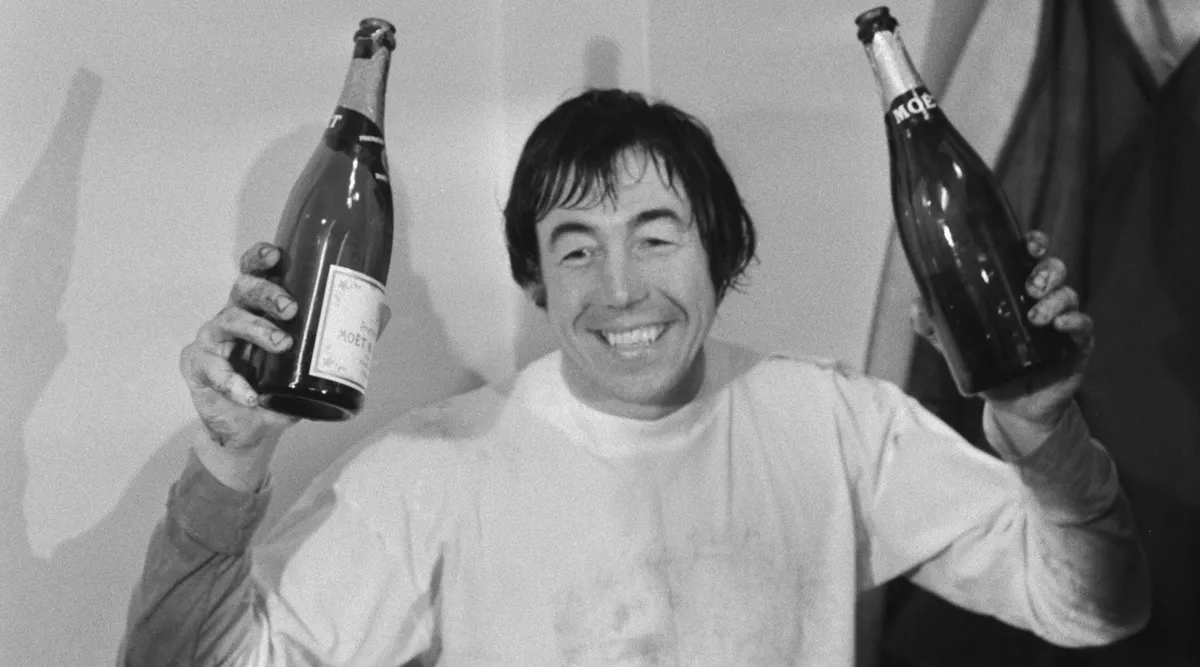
(244, 432)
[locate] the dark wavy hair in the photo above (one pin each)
(574, 157)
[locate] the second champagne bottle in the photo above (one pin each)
(959, 233)
(335, 233)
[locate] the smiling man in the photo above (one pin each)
(626, 287)
(644, 495)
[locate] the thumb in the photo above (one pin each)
(385, 316)
(922, 325)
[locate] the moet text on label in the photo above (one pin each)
(920, 103)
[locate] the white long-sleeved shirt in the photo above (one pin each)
(518, 526)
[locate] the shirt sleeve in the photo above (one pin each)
(325, 589)
(1045, 542)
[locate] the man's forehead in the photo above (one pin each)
(631, 179)
(633, 164)
(626, 200)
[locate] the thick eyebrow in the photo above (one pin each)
(653, 214)
(642, 218)
(568, 227)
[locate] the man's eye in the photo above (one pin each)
(576, 256)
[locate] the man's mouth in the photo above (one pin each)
(633, 339)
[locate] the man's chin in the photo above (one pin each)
(654, 389)
(649, 379)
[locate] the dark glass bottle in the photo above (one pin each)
(336, 236)
(959, 233)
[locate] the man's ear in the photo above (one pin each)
(537, 294)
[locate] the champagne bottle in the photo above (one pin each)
(335, 233)
(959, 233)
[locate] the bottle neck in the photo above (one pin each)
(365, 89)
(894, 70)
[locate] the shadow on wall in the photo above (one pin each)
(601, 63)
(37, 236)
(601, 69)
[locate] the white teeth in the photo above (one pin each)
(640, 336)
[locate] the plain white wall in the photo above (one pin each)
(144, 144)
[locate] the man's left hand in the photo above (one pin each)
(1039, 401)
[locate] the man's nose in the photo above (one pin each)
(622, 281)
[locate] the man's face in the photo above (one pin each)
(629, 295)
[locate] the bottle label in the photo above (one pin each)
(349, 327)
(912, 107)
